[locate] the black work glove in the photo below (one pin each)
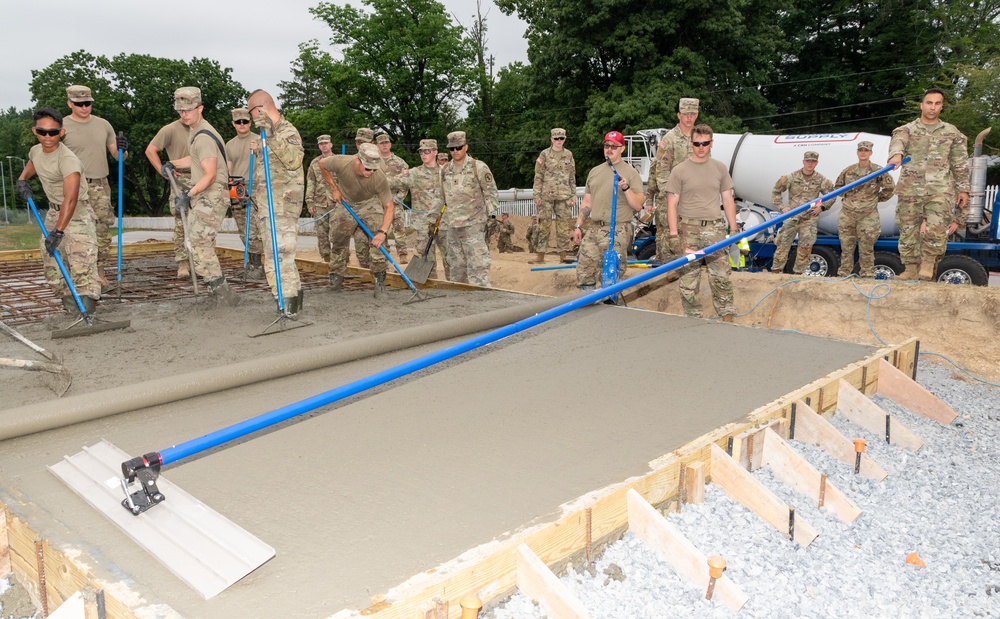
(24, 190)
(183, 201)
(52, 241)
(167, 170)
(121, 142)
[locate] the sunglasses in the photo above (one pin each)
(242, 121)
(558, 139)
(613, 146)
(425, 151)
(47, 132)
(454, 148)
(701, 144)
(82, 103)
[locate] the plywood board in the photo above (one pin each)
(906, 392)
(538, 582)
(814, 429)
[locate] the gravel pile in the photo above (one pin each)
(942, 503)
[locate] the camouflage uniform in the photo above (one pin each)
(859, 220)
(285, 155)
(427, 197)
(238, 156)
(394, 167)
(504, 243)
(674, 148)
(367, 198)
(492, 229)
(532, 235)
(362, 245)
(168, 138)
(208, 208)
(801, 189)
(471, 195)
(319, 201)
(594, 244)
(555, 186)
(927, 188)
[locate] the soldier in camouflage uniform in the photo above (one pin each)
(555, 192)
(394, 167)
(90, 137)
(531, 236)
(362, 246)
(238, 152)
(471, 195)
(674, 147)
(70, 218)
(319, 201)
(361, 183)
(929, 184)
(504, 242)
(492, 229)
(285, 155)
(803, 186)
(859, 220)
(427, 197)
(174, 139)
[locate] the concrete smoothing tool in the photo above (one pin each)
(53, 367)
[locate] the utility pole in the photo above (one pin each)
(3, 182)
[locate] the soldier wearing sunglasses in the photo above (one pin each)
(238, 157)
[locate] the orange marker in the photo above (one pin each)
(470, 607)
(859, 448)
(914, 559)
(716, 565)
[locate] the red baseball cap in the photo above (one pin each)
(616, 137)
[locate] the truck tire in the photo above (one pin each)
(957, 269)
(647, 252)
(887, 265)
(823, 262)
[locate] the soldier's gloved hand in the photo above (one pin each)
(24, 190)
(167, 170)
(183, 201)
(52, 241)
(674, 244)
(121, 142)
(263, 121)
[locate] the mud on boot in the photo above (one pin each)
(380, 284)
(255, 268)
(221, 291)
(89, 304)
(336, 282)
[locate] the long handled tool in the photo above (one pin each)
(283, 316)
(246, 227)
(420, 267)
(611, 266)
(53, 366)
(90, 324)
(121, 170)
(558, 267)
(184, 223)
(417, 295)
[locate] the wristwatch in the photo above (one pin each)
(380, 231)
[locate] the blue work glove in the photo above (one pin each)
(183, 201)
(24, 190)
(52, 241)
(167, 170)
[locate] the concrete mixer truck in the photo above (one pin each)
(757, 161)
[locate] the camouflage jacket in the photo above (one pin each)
(651, 185)
(319, 197)
(285, 155)
(555, 175)
(471, 193)
(506, 229)
(426, 193)
(674, 148)
(939, 159)
(864, 198)
(394, 167)
(801, 189)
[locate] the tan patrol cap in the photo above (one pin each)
(456, 138)
(442, 157)
(369, 156)
(324, 139)
(865, 145)
(364, 134)
(187, 98)
(79, 94)
(558, 133)
(810, 155)
(241, 113)
(382, 137)
(431, 144)
(687, 105)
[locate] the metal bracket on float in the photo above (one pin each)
(145, 469)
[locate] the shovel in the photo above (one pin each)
(54, 366)
(420, 267)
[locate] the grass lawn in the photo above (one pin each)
(18, 237)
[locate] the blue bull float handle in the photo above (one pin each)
(61, 264)
(265, 420)
(385, 252)
(270, 216)
(121, 169)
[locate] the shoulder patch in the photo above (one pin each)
(540, 160)
(293, 141)
(489, 177)
(783, 180)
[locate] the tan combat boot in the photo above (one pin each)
(183, 270)
(910, 272)
(927, 268)
(538, 259)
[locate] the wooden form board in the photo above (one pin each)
(539, 583)
(867, 414)
(815, 430)
(906, 392)
(796, 472)
(648, 525)
(4, 546)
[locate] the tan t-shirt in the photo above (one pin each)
(700, 187)
(174, 139)
(204, 147)
(52, 168)
(600, 182)
(358, 191)
(238, 154)
(90, 141)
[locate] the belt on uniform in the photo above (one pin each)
(601, 223)
(96, 180)
(700, 222)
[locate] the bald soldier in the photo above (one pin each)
(89, 137)
(803, 186)
(674, 148)
(238, 152)
(394, 167)
(555, 193)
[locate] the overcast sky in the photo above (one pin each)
(260, 56)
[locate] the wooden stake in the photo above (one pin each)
(865, 413)
(815, 430)
(539, 583)
(902, 390)
(694, 482)
(745, 489)
(689, 562)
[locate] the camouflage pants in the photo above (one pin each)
(240, 216)
(287, 201)
(208, 209)
(911, 211)
(343, 228)
(504, 244)
(322, 229)
(663, 252)
(399, 231)
(99, 196)
(468, 256)
(564, 225)
(180, 251)
(590, 259)
(696, 236)
(422, 232)
(862, 228)
(805, 226)
(78, 251)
